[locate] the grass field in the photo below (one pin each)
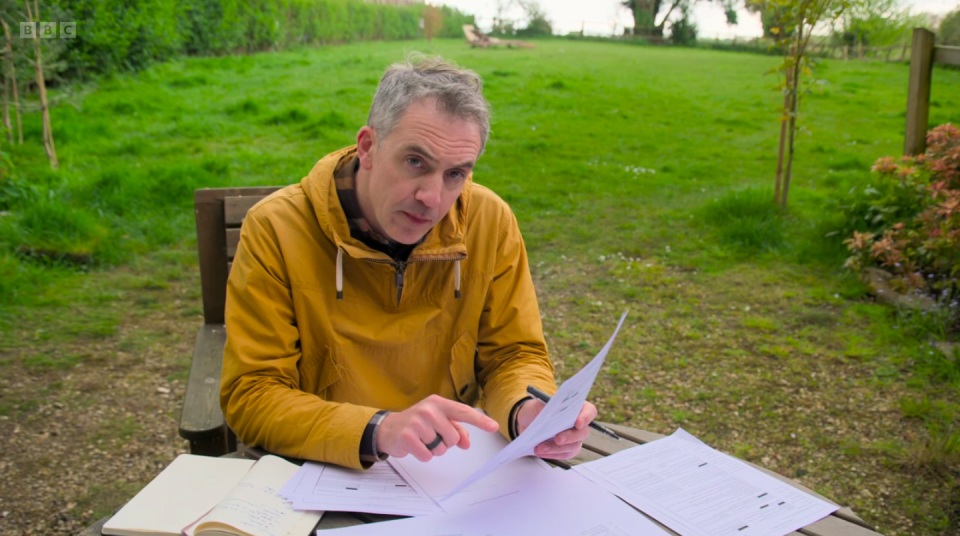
(642, 180)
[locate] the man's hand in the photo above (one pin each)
(411, 430)
(567, 443)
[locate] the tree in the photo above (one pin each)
(799, 17)
(11, 55)
(537, 23)
(769, 15)
(950, 28)
(874, 23)
(432, 22)
(33, 16)
(645, 14)
(683, 31)
(502, 26)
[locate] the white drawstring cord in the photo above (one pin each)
(339, 274)
(456, 275)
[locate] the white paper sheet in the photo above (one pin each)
(378, 490)
(558, 502)
(698, 491)
(559, 414)
(441, 474)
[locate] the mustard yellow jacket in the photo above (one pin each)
(304, 371)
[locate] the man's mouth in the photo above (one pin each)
(416, 220)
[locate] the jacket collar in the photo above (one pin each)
(444, 241)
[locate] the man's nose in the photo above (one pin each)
(429, 191)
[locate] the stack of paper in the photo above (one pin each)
(698, 491)
(409, 487)
(558, 502)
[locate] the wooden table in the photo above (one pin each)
(843, 522)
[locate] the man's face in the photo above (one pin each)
(409, 180)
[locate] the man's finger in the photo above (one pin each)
(446, 430)
(587, 414)
(568, 437)
(419, 450)
(464, 413)
(549, 449)
(464, 435)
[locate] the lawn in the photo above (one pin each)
(642, 179)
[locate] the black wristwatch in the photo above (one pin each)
(368, 441)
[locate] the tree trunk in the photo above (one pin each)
(12, 74)
(7, 63)
(44, 108)
(16, 105)
(783, 141)
(644, 18)
(794, 108)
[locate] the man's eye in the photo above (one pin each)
(415, 162)
(457, 175)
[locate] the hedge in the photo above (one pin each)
(117, 35)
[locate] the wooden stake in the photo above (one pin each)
(16, 93)
(918, 93)
(783, 141)
(7, 64)
(44, 108)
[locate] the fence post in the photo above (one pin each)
(918, 93)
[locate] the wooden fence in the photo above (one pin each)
(859, 52)
(923, 55)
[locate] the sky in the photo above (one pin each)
(605, 17)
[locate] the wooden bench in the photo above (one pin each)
(843, 522)
(219, 215)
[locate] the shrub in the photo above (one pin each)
(916, 217)
(950, 28)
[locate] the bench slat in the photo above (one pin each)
(584, 457)
(835, 526)
(201, 414)
(639, 436)
(606, 445)
(235, 208)
(233, 240)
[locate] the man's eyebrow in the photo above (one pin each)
(418, 149)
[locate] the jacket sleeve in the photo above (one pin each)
(512, 350)
(260, 386)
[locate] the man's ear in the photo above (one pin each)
(366, 146)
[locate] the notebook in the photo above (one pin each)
(206, 496)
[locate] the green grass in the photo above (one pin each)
(642, 179)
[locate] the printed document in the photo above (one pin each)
(378, 490)
(441, 474)
(559, 502)
(559, 414)
(698, 491)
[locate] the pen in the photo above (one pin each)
(537, 393)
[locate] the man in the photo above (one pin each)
(372, 304)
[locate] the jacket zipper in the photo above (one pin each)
(401, 267)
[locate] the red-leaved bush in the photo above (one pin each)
(922, 251)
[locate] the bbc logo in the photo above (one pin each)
(48, 30)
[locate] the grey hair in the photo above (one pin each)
(459, 92)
